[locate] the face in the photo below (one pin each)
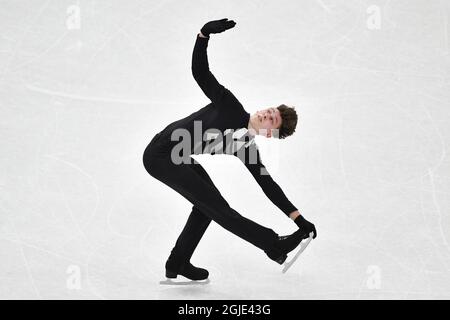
(267, 119)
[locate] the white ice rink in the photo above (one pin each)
(84, 86)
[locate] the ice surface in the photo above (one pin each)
(80, 218)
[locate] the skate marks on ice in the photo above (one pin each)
(303, 246)
(184, 283)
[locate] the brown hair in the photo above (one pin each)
(289, 120)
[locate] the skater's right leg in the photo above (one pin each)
(183, 179)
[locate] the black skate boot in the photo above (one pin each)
(285, 244)
(187, 270)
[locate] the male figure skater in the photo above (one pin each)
(222, 116)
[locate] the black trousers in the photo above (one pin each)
(193, 183)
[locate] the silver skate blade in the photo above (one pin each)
(303, 246)
(184, 283)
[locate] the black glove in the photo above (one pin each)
(217, 26)
(305, 225)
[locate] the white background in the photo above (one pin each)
(81, 218)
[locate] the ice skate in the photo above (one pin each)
(303, 246)
(188, 271)
(285, 244)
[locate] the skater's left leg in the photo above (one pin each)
(188, 239)
(193, 231)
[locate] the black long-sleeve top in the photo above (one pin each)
(225, 112)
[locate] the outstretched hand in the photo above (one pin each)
(217, 26)
(306, 226)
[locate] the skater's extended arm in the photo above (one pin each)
(270, 188)
(200, 66)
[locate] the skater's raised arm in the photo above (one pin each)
(200, 66)
(200, 70)
(270, 188)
